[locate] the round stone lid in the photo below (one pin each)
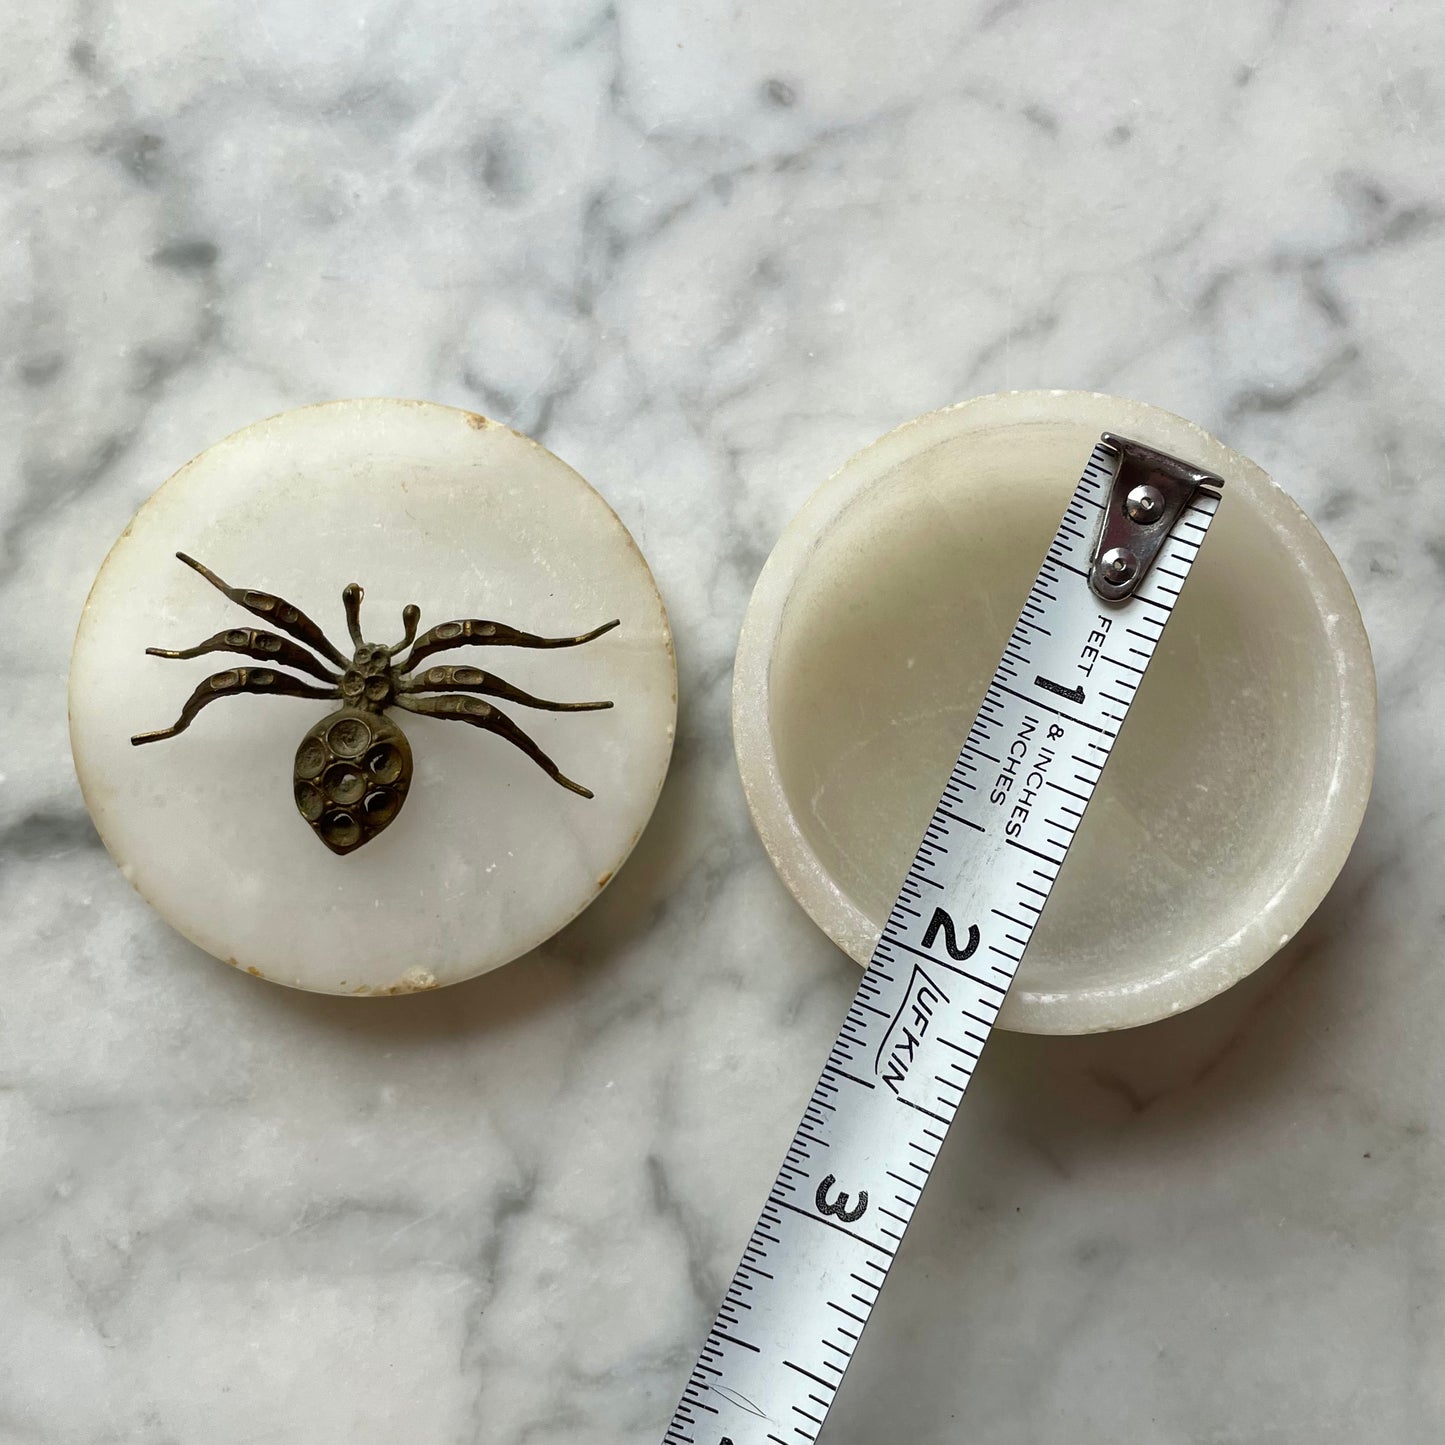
(343, 809)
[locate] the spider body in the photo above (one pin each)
(353, 768)
(352, 773)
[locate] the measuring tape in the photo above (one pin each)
(853, 1175)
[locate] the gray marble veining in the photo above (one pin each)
(705, 253)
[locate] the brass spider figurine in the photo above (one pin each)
(353, 768)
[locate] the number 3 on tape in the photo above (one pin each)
(838, 1205)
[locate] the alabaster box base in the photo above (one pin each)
(1237, 784)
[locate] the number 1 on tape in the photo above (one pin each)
(855, 1170)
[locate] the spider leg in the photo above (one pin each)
(410, 616)
(227, 684)
(275, 610)
(475, 632)
(473, 679)
(483, 715)
(351, 596)
(253, 642)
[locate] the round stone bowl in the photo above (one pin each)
(1237, 784)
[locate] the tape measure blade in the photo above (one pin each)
(863, 1151)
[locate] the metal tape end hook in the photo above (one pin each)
(1149, 491)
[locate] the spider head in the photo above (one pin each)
(368, 682)
(371, 658)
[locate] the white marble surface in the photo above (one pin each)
(704, 252)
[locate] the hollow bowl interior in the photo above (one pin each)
(1237, 783)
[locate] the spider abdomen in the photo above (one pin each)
(353, 769)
